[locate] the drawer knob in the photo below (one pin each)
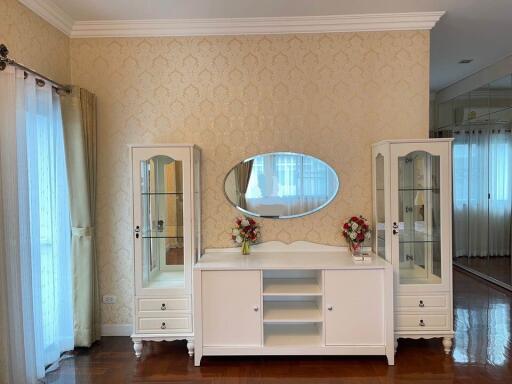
(255, 308)
(163, 308)
(163, 326)
(422, 323)
(329, 308)
(421, 305)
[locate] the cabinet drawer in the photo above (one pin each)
(165, 324)
(422, 302)
(421, 322)
(163, 305)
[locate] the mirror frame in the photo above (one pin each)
(253, 214)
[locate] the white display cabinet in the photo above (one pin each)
(166, 241)
(292, 299)
(412, 207)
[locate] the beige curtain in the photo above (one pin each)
(242, 176)
(79, 120)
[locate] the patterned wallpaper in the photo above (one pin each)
(34, 42)
(326, 95)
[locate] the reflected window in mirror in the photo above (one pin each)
(281, 185)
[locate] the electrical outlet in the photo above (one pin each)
(109, 299)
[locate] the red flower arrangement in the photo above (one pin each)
(355, 230)
(245, 232)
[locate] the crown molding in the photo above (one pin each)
(52, 13)
(257, 25)
(57, 17)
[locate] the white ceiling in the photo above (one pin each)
(477, 29)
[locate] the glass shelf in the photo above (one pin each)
(413, 236)
(160, 193)
(168, 232)
(418, 241)
(153, 236)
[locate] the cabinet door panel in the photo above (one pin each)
(230, 308)
(421, 209)
(162, 208)
(354, 307)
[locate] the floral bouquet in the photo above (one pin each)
(355, 231)
(245, 232)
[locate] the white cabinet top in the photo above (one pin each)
(276, 255)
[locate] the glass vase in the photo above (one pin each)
(246, 247)
(355, 249)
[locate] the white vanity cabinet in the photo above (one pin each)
(299, 299)
(412, 207)
(349, 291)
(166, 236)
(231, 309)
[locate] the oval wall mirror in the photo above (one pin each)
(281, 185)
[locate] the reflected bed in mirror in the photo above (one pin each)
(281, 185)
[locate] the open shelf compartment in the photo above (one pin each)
(293, 335)
(284, 309)
(292, 283)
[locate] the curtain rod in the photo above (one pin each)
(4, 61)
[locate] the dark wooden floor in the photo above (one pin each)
(481, 354)
(498, 267)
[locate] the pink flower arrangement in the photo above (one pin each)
(355, 230)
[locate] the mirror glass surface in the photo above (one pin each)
(281, 185)
(162, 225)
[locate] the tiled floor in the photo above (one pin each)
(481, 354)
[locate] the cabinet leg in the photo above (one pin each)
(391, 358)
(137, 347)
(197, 359)
(447, 344)
(190, 347)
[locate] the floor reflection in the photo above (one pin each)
(482, 320)
(481, 354)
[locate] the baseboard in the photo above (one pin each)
(116, 329)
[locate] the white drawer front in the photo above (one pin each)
(163, 305)
(421, 322)
(165, 324)
(422, 302)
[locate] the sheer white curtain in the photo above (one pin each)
(500, 192)
(36, 226)
(482, 192)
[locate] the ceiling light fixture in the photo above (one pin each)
(465, 61)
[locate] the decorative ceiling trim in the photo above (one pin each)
(257, 25)
(52, 13)
(57, 17)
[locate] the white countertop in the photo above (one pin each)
(222, 260)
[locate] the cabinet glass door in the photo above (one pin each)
(419, 218)
(379, 229)
(161, 232)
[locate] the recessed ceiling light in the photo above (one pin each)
(465, 61)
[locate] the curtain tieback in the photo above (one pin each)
(82, 231)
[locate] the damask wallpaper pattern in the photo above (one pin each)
(327, 95)
(34, 42)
